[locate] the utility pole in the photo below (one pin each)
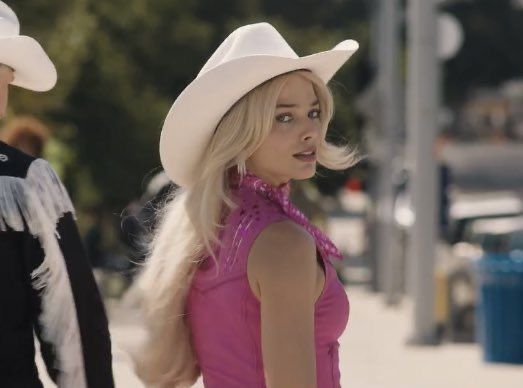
(422, 112)
(389, 155)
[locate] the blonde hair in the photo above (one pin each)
(187, 233)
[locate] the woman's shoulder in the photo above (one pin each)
(283, 248)
(255, 222)
(286, 234)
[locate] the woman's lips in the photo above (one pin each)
(309, 156)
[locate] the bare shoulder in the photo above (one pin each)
(284, 252)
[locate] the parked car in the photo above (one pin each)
(478, 223)
(460, 244)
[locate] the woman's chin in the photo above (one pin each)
(305, 173)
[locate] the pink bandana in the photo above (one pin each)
(280, 195)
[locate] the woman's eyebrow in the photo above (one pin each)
(283, 105)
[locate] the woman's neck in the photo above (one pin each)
(268, 178)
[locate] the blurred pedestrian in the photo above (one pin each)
(139, 218)
(443, 140)
(46, 283)
(27, 134)
(239, 285)
(94, 237)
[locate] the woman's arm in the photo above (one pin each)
(282, 271)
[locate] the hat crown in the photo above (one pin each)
(250, 40)
(9, 25)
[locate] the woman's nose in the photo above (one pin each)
(311, 131)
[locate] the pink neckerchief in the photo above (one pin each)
(280, 195)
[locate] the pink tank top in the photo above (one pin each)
(224, 315)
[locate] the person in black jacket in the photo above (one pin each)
(46, 284)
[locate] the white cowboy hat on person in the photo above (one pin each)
(32, 67)
(248, 57)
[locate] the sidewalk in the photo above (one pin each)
(373, 353)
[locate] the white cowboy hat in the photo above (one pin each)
(249, 56)
(32, 67)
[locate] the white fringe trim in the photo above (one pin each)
(41, 200)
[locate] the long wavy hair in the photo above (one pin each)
(190, 221)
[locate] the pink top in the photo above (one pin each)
(223, 313)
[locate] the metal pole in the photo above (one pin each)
(422, 110)
(389, 123)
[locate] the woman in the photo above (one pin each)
(238, 284)
(46, 284)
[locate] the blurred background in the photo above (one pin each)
(430, 222)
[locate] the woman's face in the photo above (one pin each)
(289, 152)
(6, 77)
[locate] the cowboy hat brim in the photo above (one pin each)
(32, 67)
(193, 117)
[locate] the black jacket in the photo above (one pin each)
(46, 283)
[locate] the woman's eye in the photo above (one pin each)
(284, 118)
(315, 114)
